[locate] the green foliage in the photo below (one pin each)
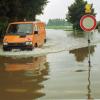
(75, 12)
(3, 24)
(58, 22)
(98, 23)
(20, 9)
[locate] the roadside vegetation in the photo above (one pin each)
(98, 26)
(59, 24)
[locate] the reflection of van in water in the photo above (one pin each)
(24, 35)
(22, 77)
(36, 64)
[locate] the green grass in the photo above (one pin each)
(67, 28)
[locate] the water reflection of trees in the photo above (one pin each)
(82, 53)
(21, 79)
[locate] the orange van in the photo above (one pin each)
(24, 35)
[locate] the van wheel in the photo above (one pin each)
(22, 49)
(30, 49)
(45, 40)
(6, 49)
(36, 45)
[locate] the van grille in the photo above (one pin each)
(16, 44)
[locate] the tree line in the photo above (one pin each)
(58, 22)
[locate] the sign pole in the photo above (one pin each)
(89, 49)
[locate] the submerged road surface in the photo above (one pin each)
(47, 74)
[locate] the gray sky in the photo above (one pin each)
(59, 8)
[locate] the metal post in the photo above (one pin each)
(89, 49)
(89, 69)
(89, 84)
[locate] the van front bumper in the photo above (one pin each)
(18, 46)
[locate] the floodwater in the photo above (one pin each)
(63, 72)
(57, 41)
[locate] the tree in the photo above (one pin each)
(11, 10)
(21, 9)
(76, 11)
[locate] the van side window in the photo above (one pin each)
(36, 29)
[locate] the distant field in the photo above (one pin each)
(69, 28)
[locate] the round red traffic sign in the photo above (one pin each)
(88, 23)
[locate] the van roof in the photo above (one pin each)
(28, 22)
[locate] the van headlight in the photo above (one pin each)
(28, 43)
(5, 43)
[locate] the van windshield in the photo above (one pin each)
(21, 29)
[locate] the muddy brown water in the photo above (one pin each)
(61, 75)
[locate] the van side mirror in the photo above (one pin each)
(36, 29)
(35, 32)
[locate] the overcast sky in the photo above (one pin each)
(59, 8)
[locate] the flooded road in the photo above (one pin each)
(57, 41)
(53, 75)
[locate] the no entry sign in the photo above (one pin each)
(88, 23)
